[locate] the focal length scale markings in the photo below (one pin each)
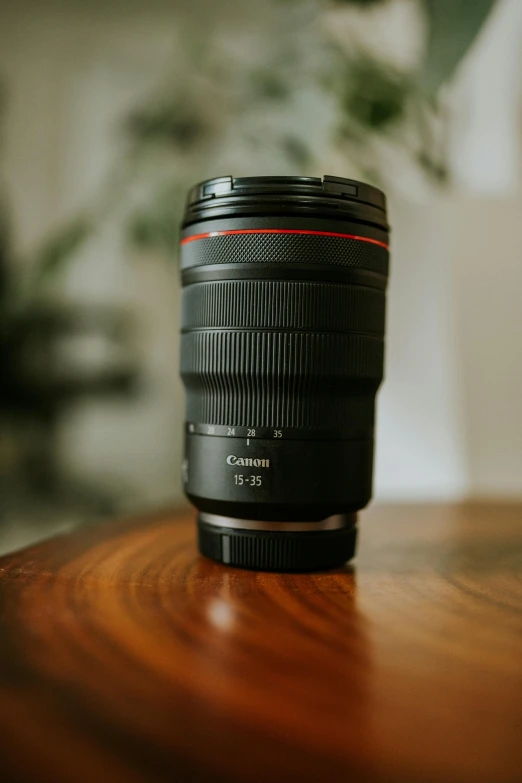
(271, 433)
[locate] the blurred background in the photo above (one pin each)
(110, 110)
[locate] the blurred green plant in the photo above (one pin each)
(178, 134)
(54, 253)
(181, 132)
(36, 382)
(372, 97)
(453, 25)
(222, 112)
(375, 102)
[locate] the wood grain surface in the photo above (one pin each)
(124, 656)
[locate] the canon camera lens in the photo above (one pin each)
(282, 348)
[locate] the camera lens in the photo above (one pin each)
(282, 347)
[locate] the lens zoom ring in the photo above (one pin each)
(285, 249)
(281, 379)
(251, 304)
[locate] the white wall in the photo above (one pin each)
(420, 449)
(487, 279)
(450, 412)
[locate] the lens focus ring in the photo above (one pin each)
(256, 304)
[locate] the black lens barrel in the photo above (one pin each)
(282, 353)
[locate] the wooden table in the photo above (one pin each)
(126, 657)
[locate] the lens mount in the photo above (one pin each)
(278, 546)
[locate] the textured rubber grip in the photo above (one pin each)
(285, 249)
(281, 379)
(278, 304)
